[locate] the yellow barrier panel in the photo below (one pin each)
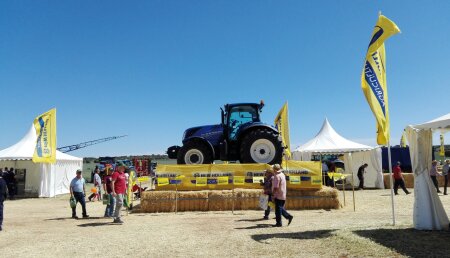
(294, 180)
(217, 176)
(316, 180)
(222, 180)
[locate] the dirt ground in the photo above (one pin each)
(43, 228)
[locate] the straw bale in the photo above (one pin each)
(325, 198)
(247, 199)
(193, 201)
(159, 201)
(220, 200)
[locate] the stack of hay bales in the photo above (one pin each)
(160, 201)
(244, 199)
(220, 200)
(192, 201)
(325, 198)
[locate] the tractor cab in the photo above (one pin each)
(236, 115)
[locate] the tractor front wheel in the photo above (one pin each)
(194, 153)
(261, 146)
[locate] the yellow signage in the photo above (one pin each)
(316, 180)
(258, 179)
(222, 180)
(201, 181)
(239, 180)
(143, 179)
(295, 180)
(163, 181)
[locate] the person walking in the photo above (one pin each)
(78, 191)
(445, 170)
(119, 186)
(398, 179)
(433, 174)
(268, 177)
(279, 194)
(361, 172)
(109, 211)
(98, 186)
(2, 199)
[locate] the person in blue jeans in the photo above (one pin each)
(279, 194)
(78, 191)
(109, 211)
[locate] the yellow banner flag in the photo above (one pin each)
(45, 126)
(403, 140)
(373, 77)
(282, 124)
(442, 147)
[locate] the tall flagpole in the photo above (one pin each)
(391, 183)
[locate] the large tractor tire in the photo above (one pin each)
(194, 153)
(261, 146)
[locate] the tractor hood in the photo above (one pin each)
(207, 132)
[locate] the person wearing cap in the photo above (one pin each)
(2, 198)
(445, 170)
(78, 191)
(398, 179)
(433, 174)
(279, 195)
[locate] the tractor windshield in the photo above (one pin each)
(238, 116)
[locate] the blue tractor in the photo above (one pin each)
(241, 136)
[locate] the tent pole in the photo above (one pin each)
(391, 183)
(353, 181)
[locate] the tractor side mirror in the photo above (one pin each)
(222, 115)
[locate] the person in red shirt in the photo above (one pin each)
(109, 211)
(398, 179)
(119, 188)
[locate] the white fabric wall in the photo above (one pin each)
(429, 214)
(373, 178)
(303, 156)
(46, 180)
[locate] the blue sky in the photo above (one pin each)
(151, 69)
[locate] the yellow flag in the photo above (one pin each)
(442, 147)
(373, 77)
(282, 124)
(45, 126)
(403, 140)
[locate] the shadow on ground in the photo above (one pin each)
(315, 234)
(257, 226)
(70, 218)
(250, 220)
(411, 242)
(98, 224)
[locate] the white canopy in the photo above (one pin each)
(429, 214)
(42, 179)
(329, 141)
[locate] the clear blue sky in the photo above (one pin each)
(151, 69)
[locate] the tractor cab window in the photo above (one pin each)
(239, 116)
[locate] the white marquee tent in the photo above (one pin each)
(41, 179)
(429, 214)
(328, 141)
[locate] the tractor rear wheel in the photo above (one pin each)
(261, 146)
(194, 153)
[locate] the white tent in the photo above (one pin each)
(41, 179)
(328, 141)
(429, 214)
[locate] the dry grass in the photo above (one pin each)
(43, 228)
